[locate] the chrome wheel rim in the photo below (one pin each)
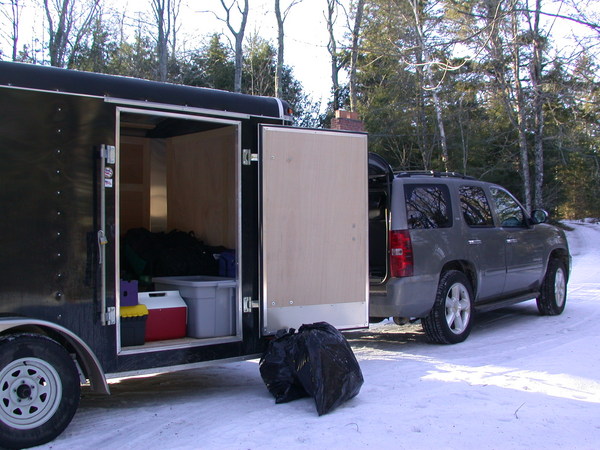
(560, 287)
(30, 393)
(458, 308)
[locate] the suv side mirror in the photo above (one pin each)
(539, 216)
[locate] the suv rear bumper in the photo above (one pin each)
(403, 297)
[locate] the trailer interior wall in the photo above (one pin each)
(185, 183)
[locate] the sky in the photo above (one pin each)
(520, 381)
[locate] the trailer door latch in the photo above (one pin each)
(248, 157)
(109, 153)
(249, 304)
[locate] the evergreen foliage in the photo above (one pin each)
(475, 86)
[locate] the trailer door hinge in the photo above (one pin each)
(109, 153)
(248, 157)
(110, 316)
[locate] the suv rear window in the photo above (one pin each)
(427, 206)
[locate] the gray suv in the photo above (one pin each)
(443, 246)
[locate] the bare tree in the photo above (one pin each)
(162, 15)
(69, 22)
(424, 59)
(535, 70)
(280, 43)
(503, 45)
(175, 9)
(11, 12)
(238, 35)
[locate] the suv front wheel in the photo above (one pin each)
(553, 295)
(451, 318)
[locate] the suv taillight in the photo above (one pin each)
(401, 254)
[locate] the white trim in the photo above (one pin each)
(186, 342)
(179, 108)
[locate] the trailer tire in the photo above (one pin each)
(39, 390)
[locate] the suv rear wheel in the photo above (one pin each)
(451, 318)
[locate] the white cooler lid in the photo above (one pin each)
(161, 299)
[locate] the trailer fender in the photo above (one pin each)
(85, 355)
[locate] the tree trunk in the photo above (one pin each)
(521, 117)
(13, 19)
(57, 41)
(239, 39)
(538, 110)
(360, 5)
(426, 58)
(332, 48)
(162, 16)
(279, 67)
(67, 26)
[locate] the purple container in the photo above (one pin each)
(129, 293)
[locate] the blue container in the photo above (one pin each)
(227, 264)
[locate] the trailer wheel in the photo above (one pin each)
(39, 390)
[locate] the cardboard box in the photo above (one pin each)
(210, 301)
(167, 315)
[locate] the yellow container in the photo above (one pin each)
(134, 311)
(133, 325)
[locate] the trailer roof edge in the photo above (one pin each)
(139, 92)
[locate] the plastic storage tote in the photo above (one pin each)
(210, 302)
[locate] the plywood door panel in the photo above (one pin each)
(314, 225)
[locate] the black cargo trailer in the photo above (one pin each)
(151, 227)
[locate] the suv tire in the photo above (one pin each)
(451, 318)
(553, 293)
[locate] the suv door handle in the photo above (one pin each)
(474, 241)
(511, 241)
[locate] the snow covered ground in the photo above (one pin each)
(519, 381)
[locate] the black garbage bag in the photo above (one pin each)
(317, 361)
(277, 368)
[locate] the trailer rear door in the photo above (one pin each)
(314, 228)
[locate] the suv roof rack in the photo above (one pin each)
(432, 173)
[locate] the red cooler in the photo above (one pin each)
(167, 315)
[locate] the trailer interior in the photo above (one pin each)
(177, 178)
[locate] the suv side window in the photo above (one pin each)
(475, 207)
(427, 206)
(509, 211)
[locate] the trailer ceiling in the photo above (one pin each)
(141, 125)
